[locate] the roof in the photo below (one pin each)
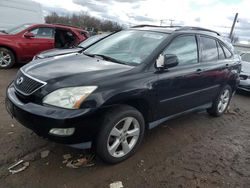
(60, 25)
(170, 29)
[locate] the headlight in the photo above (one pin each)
(70, 98)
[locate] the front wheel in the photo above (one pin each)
(7, 58)
(121, 134)
(221, 103)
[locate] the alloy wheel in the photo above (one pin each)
(5, 59)
(223, 101)
(123, 137)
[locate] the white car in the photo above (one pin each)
(245, 72)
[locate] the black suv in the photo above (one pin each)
(133, 80)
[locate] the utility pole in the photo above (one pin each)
(233, 26)
(166, 20)
(171, 22)
(161, 21)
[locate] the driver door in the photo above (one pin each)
(178, 87)
(43, 40)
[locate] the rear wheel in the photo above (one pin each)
(7, 58)
(221, 103)
(121, 134)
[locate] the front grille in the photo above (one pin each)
(26, 84)
(243, 77)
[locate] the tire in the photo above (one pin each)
(220, 105)
(7, 58)
(109, 137)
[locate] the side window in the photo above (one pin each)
(220, 51)
(185, 48)
(209, 49)
(227, 52)
(43, 32)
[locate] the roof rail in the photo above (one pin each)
(180, 28)
(197, 28)
(155, 26)
(67, 25)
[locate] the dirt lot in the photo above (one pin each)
(192, 151)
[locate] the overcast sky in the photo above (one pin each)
(217, 14)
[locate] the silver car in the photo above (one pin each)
(245, 72)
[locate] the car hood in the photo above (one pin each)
(57, 52)
(6, 37)
(74, 69)
(245, 67)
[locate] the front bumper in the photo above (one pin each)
(41, 119)
(244, 85)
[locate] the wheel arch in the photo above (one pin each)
(140, 104)
(233, 82)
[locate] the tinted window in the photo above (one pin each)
(227, 52)
(43, 32)
(221, 52)
(245, 57)
(209, 49)
(185, 48)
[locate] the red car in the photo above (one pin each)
(22, 43)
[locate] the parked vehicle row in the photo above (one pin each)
(22, 43)
(133, 80)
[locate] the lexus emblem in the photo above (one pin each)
(19, 81)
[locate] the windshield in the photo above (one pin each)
(245, 57)
(91, 40)
(17, 29)
(131, 47)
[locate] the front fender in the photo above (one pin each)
(12, 46)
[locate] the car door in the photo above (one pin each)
(179, 87)
(214, 67)
(43, 40)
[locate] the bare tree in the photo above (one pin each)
(84, 20)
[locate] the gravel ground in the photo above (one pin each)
(192, 151)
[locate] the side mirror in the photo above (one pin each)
(167, 61)
(29, 35)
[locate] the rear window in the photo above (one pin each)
(209, 49)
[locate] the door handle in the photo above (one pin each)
(199, 71)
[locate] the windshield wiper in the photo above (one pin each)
(107, 58)
(80, 47)
(87, 54)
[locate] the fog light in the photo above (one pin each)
(62, 132)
